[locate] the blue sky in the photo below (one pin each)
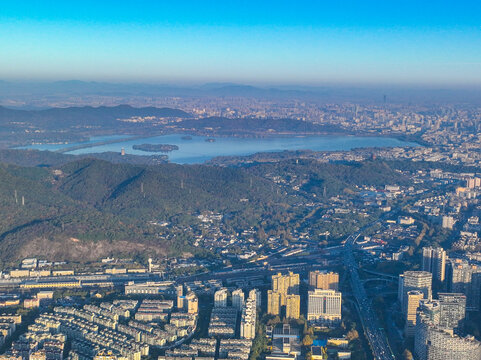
(258, 42)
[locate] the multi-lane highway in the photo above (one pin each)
(374, 333)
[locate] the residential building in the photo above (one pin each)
(434, 261)
(411, 305)
(220, 298)
(465, 278)
(293, 306)
(414, 280)
(273, 302)
(433, 342)
(324, 280)
(238, 299)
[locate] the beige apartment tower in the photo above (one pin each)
(285, 285)
(273, 303)
(293, 306)
(324, 280)
(413, 299)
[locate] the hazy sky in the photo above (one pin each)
(278, 42)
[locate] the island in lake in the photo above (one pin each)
(155, 147)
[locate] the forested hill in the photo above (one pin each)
(253, 126)
(163, 190)
(91, 208)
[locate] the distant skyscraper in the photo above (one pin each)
(434, 261)
(411, 305)
(220, 298)
(238, 299)
(324, 280)
(293, 306)
(414, 280)
(324, 306)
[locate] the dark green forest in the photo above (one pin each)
(84, 208)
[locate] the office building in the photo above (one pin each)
(220, 298)
(414, 280)
(238, 299)
(324, 307)
(411, 305)
(434, 261)
(324, 280)
(293, 306)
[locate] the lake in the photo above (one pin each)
(198, 150)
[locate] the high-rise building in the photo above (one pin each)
(220, 298)
(179, 289)
(273, 303)
(411, 305)
(285, 285)
(465, 277)
(324, 306)
(434, 261)
(192, 303)
(324, 280)
(249, 316)
(452, 311)
(448, 222)
(257, 294)
(293, 306)
(282, 287)
(414, 280)
(433, 342)
(238, 299)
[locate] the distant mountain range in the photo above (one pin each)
(354, 93)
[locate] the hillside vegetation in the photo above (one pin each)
(89, 208)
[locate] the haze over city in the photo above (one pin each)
(240, 180)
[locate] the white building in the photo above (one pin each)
(220, 298)
(238, 299)
(324, 306)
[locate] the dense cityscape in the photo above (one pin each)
(240, 180)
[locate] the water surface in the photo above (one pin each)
(198, 150)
